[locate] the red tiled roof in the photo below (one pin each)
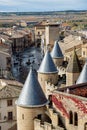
(77, 89)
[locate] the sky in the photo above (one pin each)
(41, 5)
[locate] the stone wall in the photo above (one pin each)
(58, 61)
(5, 123)
(66, 103)
(50, 77)
(45, 126)
(71, 78)
(25, 117)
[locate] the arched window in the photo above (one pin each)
(75, 119)
(70, 117)
(85, 126)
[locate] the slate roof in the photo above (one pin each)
(31, 94)
(83, 75)
(56, 51)
(47, 65)
(74, 64)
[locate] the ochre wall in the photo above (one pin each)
(25, 117)
(58, 61)
(51, 77)
(71, 78)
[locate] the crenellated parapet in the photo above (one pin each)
(39, 126)
(46, 126)
(49, 88)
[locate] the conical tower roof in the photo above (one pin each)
(74, 64)
(83, 76)
(31, 94)
(56, 52)
(47, 65)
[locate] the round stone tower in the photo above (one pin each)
(47, 71)
(31, 102)
(57, 55)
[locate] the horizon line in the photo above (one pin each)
(78, 10)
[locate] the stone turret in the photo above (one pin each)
(31, 102)
(47, 71)
(83, 76)
(57, 54)
(73, 69)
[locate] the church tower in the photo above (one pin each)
(31, 102)
(47, 71)
(73, 70)
(57, 54)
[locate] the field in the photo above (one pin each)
(76, 18)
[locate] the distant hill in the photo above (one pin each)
(42, 13)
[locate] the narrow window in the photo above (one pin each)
(75, 119)
(10, 115)
(70, 117)
(38, 33)
(9, 102)
(50, 100)
(23, 116)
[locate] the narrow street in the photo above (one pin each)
(23, 61)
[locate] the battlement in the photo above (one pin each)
(39, 125)
(45, 126)
(49, 88)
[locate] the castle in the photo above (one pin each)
(44, 104)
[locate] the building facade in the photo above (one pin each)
(9, 92)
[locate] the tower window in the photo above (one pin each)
(38, 33)
(23, 116)
(50, 100)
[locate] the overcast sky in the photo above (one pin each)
(42, 5)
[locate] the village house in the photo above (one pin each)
(9, 92)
